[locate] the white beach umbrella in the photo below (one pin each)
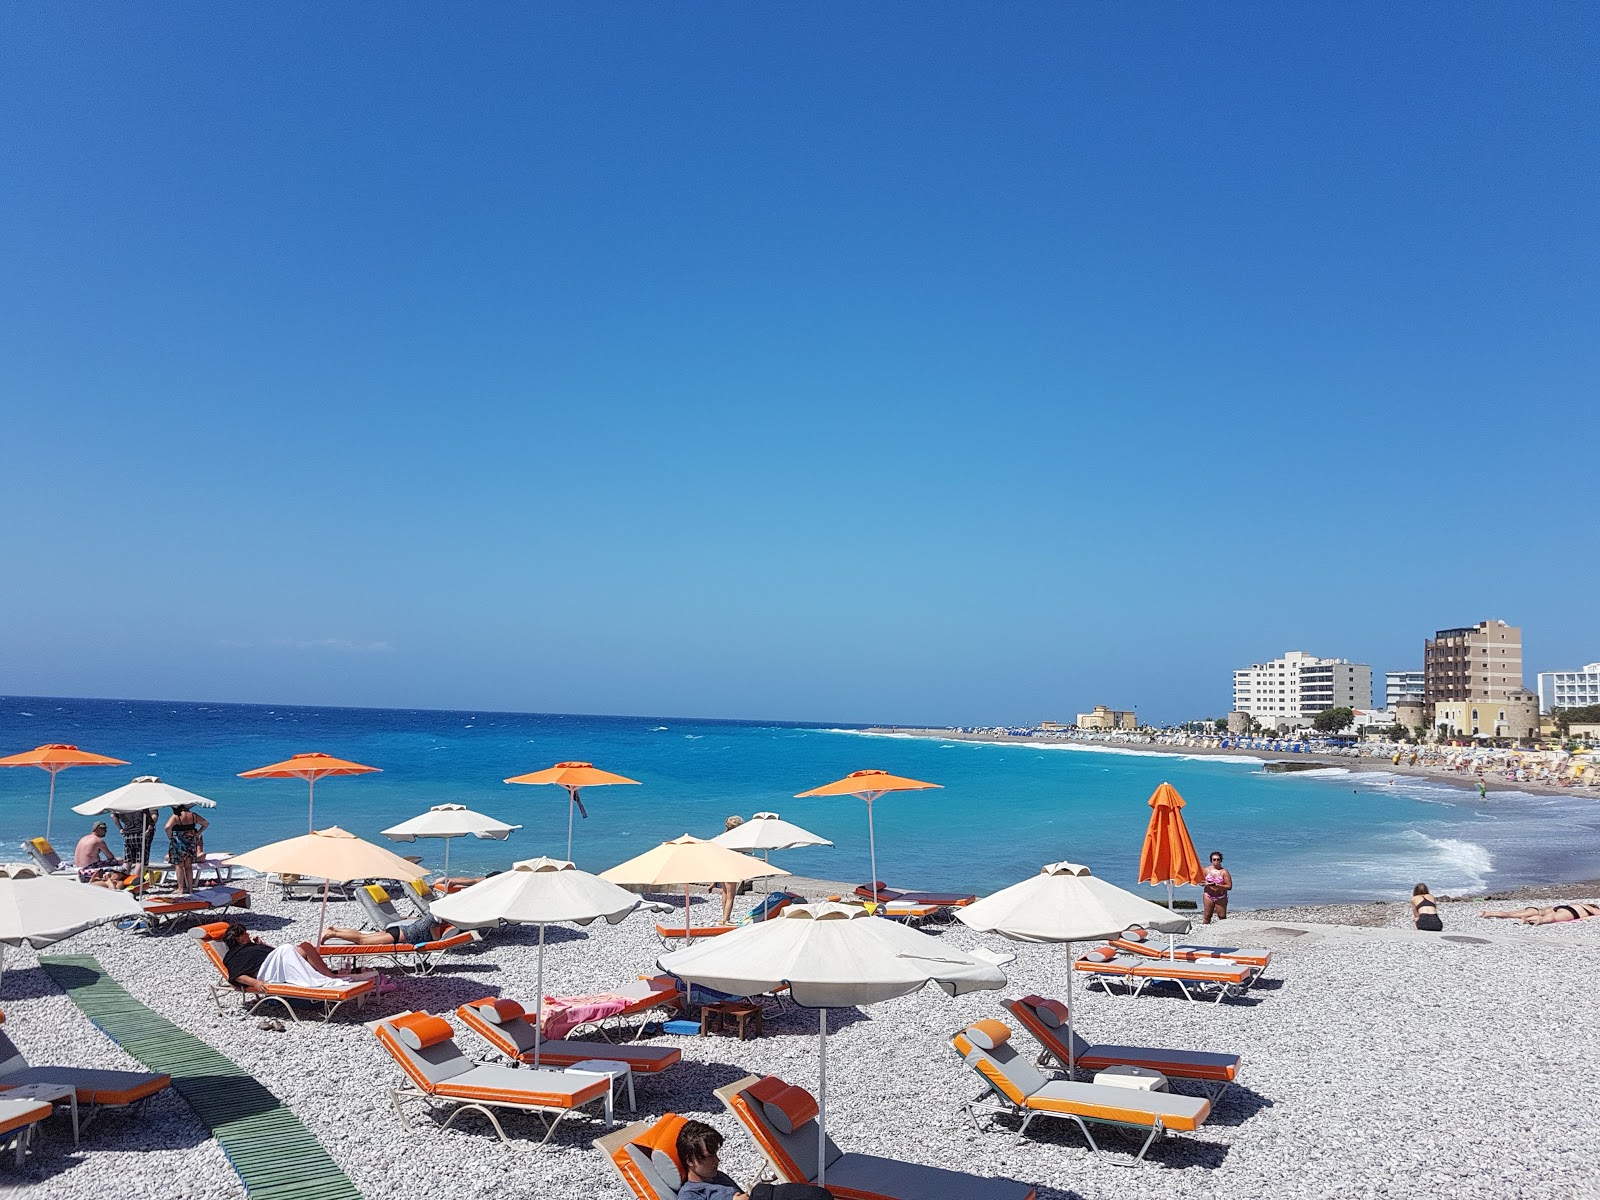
(767, 831)
(830, 956)
(143, 794)
(1064, 902)
(537, 891)
(684, 862)
(450, 821)
(39, 910)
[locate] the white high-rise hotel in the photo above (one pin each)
(1569, 689)
(1291, 690)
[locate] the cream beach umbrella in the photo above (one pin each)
(537, 891)
(450, 821)
(830, 956)
(1064, 902)
(39, 910)
(685, 862)
(143, 794)
(332, 855)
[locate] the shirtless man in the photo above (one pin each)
(94, 859)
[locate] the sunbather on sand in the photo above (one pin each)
(406, 933)
(1573, 910)
(253, 964)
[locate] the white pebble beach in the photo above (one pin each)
(1378, 1061)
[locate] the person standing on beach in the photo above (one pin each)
(1219, 882)
(730, 890)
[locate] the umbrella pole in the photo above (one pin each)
(1171, 943)
(1071, 1012)
(322, 921)
(822, 1099)
(447, 866)
(50, 811)
(872, 845)
(311, 804)
(572, 802)
(688, 919)
(538, 1014)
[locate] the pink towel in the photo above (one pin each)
(563, 1014)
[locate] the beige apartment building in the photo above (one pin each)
(1482, 662)
(1516, 717)
(1107, 718)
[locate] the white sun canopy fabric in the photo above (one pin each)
(1066, 903)
(39, 910)
(831, 956)
(143, 794)
(536, 891)
(768, 831)
(450, 821)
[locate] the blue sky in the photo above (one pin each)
(835, 362)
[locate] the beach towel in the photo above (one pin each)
(565, 1013)
(284, 965)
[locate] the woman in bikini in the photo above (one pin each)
(185, 845)
(1219, 882)
(1571, 910)
(1425, 910)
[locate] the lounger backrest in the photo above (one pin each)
(429, 1066)
(379, 908)
(1052, 1036)
(1013, 1076)
(42, 852)
(797, 1151)
(420, 894)
(10, 1057)
(631, 1156)
(513, 1037)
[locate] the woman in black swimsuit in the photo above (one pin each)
(1574, 910)
(1425, 910)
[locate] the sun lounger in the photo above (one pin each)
(1139, 942)
(18, 1120)
(671, 933)
(309, 887)
(644, 1156)
(160, 911)
(437, 1072)
(331, 998)
(765, 1107)
(415, 958)
(46, 859)
(97, 1089)
(1019, 1088)
(1197, 979)
(885, 893)
(1046, 1020)
(504, 1025)
(655, 994)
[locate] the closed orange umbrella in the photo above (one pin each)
(56, 758)
(869, 785)
(572, 776)
(1168, 855)
(310, 767)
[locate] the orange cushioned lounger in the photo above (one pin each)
(438, 1072)
(332, 997)
(645, 1156)
(1046, 1020)
(942, 899)
(1193, 979)
(1139, 941)
(18, 1120)
(781, 1119)
(1018, 1088)
(158, 910)
(504, 1025)
(669, 933)
(418, 957)
(96, 1087)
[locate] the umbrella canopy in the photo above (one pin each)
(686, 861)
(572, 776)
(333, 855)
(830, 956)
(450, 821)
(1064, 902)
(537, 891)
(56, 758)
(143, 794)
(39, 910)
(869, 785)
(310, 767)
(767, 831)
(1168, 855)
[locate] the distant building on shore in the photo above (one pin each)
(1478, 662)
(1515, 718)
(1403, 687)
(1569, 689)
(1290, 691)
(1103, 718)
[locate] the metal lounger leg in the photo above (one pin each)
(493, 1120)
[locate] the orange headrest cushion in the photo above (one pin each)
(660, 1141)
(790, 1108)
(421, 1030)
(1050, 1012)
(210, 932)
(988, 1035)
(499, 1011)
(1100, 954)
(1135, 934)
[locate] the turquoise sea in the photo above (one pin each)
(1002, 811)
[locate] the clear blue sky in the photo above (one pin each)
(845, 362)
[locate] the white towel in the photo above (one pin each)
(284, 965)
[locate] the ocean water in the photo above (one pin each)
(1002, 810)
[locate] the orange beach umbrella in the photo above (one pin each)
(55, 759)
(869, 785)
(572, 776)
(310, 767)
(1168, 855)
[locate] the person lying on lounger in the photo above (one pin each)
(698, 1147)
(1573, 910)
(405, 933)
(253, 964)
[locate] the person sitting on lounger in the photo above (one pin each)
(253, 964)
(1572, 910)
(703, 1178)
(404, 933)
(94, 860)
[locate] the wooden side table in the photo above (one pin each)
(746, 1018)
